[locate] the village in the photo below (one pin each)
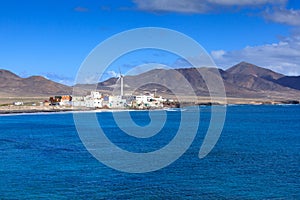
(97, 100)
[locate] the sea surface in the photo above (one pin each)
(256, 157)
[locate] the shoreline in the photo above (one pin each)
(12, 110)
(4, 110)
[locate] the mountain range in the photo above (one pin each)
(243, 80)
(12, 85)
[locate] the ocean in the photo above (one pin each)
(256, 157)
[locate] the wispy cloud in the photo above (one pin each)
(199, 6)
(59, 78)
(245, 2)
(270, 10)
(283, 57)
(284, 16)
(180, 6)
(112, 73)
(81, 9)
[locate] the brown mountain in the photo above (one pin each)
(13, 85)
(242, 80)
(248, 69)
(255, 78)
(289, 81)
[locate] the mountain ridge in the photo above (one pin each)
(242, 80)
(13, 85)
(250, 69)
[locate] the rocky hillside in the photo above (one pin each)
(243, 80)
(13, 85)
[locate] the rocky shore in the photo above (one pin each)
(12, 109)
(37, 109)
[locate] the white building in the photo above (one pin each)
(93, 103)
(142, 99)
(115, 102)
(96, 95)
(78, 101)
(94, 100)
(18, 103)
(147, 101)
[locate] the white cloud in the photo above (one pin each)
(278, 13)
(218, 54)
(282, 57)
(198, 6)
(192, 6)
(112, 73)
(284, 16)
(245, 2)
(59, 78)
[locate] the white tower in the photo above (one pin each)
(122, 83)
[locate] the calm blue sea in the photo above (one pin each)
(256, 157)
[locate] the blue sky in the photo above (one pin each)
(52, 38)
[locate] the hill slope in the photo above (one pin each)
(290, 81)
(243, 80)
(254, 78)
(13, 85)
(248, 69)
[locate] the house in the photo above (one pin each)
(114, 102)
(18, 103)
(94, 100)
(66, 100)
(55, 101)
(78, 101)
(147, 101)
(93, 103)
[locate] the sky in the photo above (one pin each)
(52, 38)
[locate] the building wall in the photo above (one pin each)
(94, 103)
(116, 102)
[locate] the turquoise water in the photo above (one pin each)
(257, 157)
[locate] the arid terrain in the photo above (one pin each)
(244, 84)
